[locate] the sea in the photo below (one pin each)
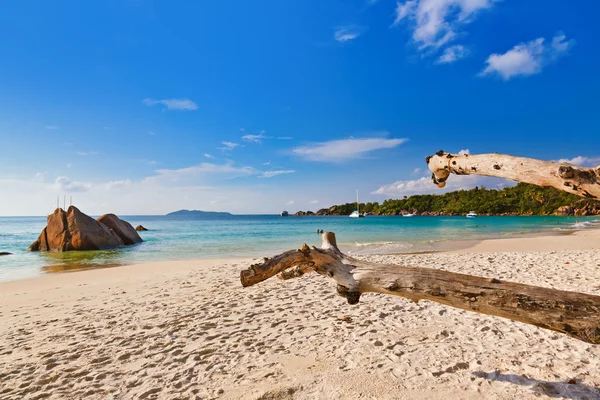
(189, 237)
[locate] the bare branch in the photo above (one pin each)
(584, 182)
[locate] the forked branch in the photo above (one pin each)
(574, 314)
(584, 182)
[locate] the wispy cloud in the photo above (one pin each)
(463, 152)
(209, 156)
(255, 138)
(64, 184)
(346, 149)
(270, 174)
(88, 153)
(582, 161)
(435, 23)
(425, 185)
(51, 127)
(347, 33)
(172, 104)
(151, 133)
(290, 202)
(452, 54)
(527, 58)
(121, 184)
(195, 174)
(314, 202)
(228, 146)
(284, 138)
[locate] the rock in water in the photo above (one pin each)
(123, 229)
(5, 253)
(72, 231)
(140, 228)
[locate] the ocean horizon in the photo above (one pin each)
(191, 237)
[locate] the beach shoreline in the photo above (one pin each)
(188, 329)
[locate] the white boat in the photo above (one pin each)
(408, 215)
(471, 214)
(356, 213)
(284, 213)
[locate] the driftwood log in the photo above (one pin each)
(574, 314)
(584, 182)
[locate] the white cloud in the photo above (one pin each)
(347, 33)
(64, 184)
(228, 146)
(452, 54)
(463, 152)
(173, 104)
(345, 149)
(112, 185)
(314, 202)
(209, 156)
(284, 138)
(416, 171)
(527, 58)
(88, 153)
(267, 163)
(40, 176)
(270, 174)
(582, 161)
(151, 133)
(435, 23)
(51, 127)
(199, 173)
(290, 202)
(255, 138)
(455, 182)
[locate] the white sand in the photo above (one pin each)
(189, 330)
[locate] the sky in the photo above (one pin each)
(149, 106)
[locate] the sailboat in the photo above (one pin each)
(356, 213)
(471, 214)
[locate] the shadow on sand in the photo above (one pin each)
(562, 390)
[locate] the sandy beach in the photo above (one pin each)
(188, 330)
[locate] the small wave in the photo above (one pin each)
(373, 244)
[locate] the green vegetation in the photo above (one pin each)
(522, 199)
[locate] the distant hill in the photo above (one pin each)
(198, 213)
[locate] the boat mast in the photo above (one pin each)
(357, 203)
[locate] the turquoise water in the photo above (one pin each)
(176, 238)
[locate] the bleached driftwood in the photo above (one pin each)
(574, 314)
(584, 182)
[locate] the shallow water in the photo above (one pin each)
(175, 238)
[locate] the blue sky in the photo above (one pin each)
(147, 106)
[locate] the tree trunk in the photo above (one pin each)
(584, 182)
(574, 314)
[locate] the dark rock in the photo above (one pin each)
(5, 253)
(140, 228)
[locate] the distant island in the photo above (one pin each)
(522, 199)
(198, 213)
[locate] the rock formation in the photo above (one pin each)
(564, 210)
(123, 229)
(5, 253)
(72, 230)
(140, 228)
